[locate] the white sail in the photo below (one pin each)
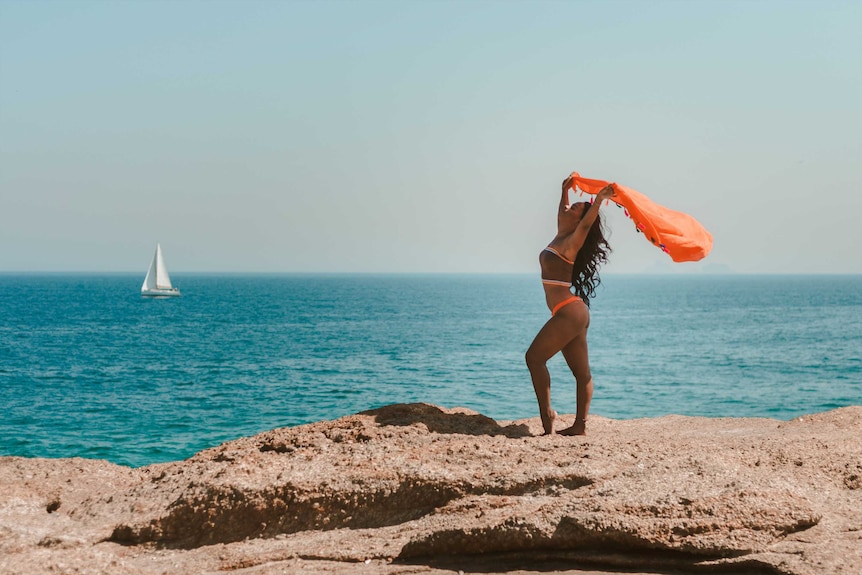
(158, 282)
(163, 280)
(150, 280)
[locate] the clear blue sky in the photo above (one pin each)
(417, 136)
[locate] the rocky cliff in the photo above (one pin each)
(420, 489)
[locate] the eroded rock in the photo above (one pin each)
(409, 484)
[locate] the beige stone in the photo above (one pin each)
(420, 489)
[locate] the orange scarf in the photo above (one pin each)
(677, 234)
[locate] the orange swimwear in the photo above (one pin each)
(563, 304)
(557, 271)
(678, 234)
(556, 268)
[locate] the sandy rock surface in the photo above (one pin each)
(420, 489)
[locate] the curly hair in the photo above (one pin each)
(594, 253)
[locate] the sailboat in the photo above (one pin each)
(158, 282)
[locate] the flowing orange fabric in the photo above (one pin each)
(676, 233)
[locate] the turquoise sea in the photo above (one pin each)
(89, 368)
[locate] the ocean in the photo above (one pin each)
(89, 368)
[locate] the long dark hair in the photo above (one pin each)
(594, 253)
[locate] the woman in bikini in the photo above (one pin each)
(570, 260)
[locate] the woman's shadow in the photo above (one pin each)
(438, 421)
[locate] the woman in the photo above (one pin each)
(570, 260)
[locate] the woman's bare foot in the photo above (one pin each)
(578, 428)
(548, 422)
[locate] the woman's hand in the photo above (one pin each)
(567, 183)
(605, 193)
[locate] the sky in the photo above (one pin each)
(423, 136)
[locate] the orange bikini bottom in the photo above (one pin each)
(563, 304)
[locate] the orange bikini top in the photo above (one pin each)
(556, 269)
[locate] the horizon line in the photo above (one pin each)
(420, 273)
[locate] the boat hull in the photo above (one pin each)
(173, 292)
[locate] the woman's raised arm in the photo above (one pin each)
(564, 199)
(589, 218)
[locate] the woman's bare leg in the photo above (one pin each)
(542, 386)
(553, 337)
(577, 357)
